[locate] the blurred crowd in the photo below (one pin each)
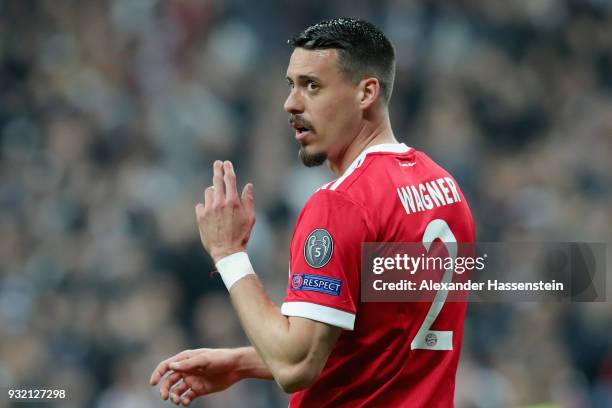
(112, 112)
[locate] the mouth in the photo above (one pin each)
(301, 133)
(302, 128)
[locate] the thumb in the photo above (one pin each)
(247, 198)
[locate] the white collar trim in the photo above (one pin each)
(379, 148)
(387, 147)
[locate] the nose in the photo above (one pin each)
(294, 103)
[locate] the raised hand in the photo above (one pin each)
(225, 220)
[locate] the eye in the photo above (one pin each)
(312, 85)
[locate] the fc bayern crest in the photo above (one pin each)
(318, 248)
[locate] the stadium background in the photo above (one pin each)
(111, 113)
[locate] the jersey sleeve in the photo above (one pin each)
(325, 258)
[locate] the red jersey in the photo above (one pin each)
(390, 193)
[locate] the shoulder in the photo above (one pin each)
(335, 211)
(332, 201)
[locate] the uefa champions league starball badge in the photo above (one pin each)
(318, 248)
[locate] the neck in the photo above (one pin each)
(370, 134)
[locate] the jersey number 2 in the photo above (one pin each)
(425, 338)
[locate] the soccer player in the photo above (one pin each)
(325, 346)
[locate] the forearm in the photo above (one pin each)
(268, 330)
(250, 364)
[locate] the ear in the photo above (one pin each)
(369, 92)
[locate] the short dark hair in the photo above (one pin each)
(363, 49)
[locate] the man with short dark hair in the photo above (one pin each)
(324, 345)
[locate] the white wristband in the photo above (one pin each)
(234, 267)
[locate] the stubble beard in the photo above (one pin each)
(311, 159)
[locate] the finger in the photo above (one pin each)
(164, 389)
(199, 361)
(200, 211)
(188, 396)
(208, 196)
(162, 368)
(159, 372)
(179, 388)
(219, 193)
(178, 391)
(248, 201)
(229, 177)
(172, 395)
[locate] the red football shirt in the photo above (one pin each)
(390, 193)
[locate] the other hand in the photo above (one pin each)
(194, 373)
